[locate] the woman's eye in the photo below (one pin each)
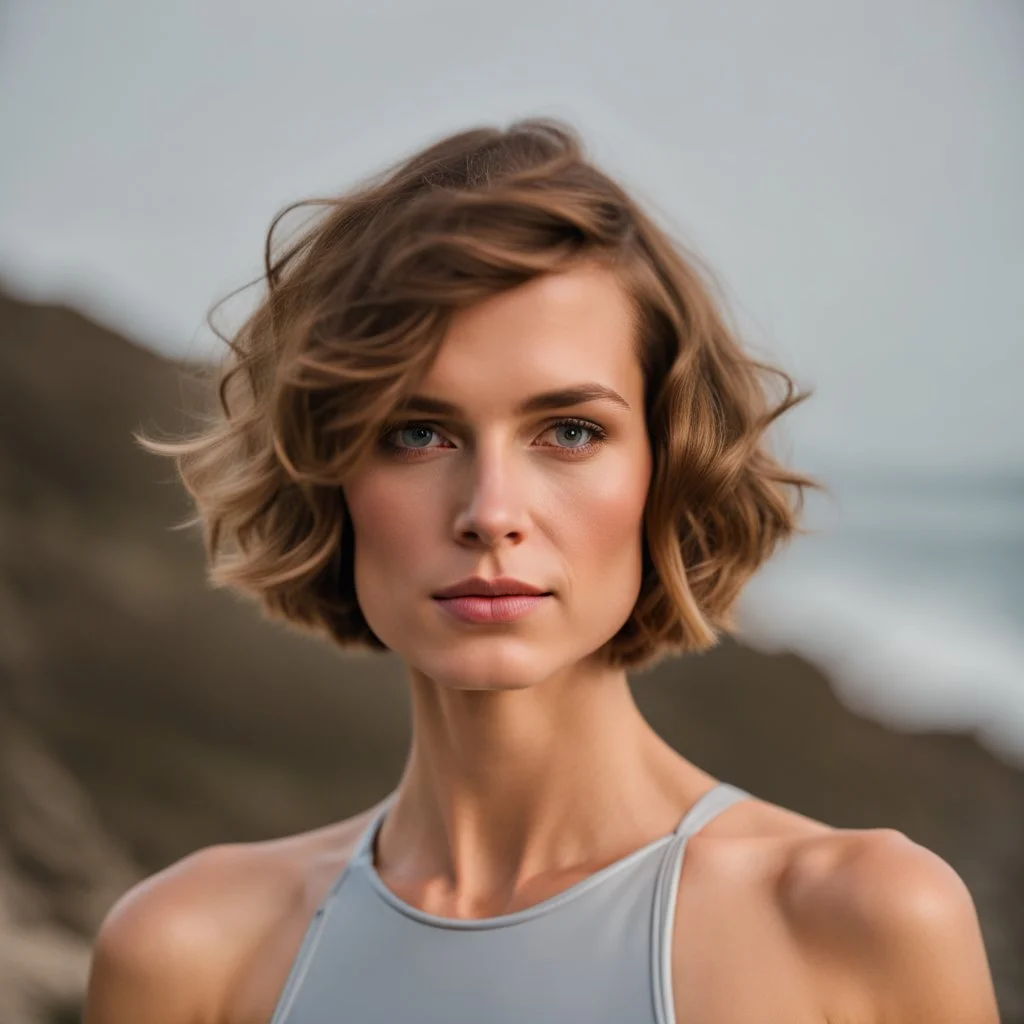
(414, 435)
(573, 433)
(578, 435)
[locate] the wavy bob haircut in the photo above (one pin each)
(356, 308)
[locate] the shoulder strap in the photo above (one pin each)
(364, 847)
(709, 806)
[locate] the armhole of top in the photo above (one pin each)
(716, 800)
(315, 928)
(307, 947)
(663, 922)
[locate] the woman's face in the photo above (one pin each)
(490, 472)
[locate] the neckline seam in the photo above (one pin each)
(362, 860)
(365, 866)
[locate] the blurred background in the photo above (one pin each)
(852, 175)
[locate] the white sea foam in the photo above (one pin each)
(897, 646)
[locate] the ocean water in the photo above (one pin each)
(909, 593)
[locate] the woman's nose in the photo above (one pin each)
(492, 508)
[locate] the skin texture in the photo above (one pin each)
(530, 766)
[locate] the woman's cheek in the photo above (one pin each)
(607, 513)
(390, 512)
(390, 524)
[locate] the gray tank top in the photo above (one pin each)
(598, 951)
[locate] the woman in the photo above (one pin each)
(489, 418)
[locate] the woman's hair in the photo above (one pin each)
(355, 310)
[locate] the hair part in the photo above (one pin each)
(355, 311)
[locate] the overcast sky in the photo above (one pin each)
(853, 172)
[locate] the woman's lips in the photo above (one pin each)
(502, 608)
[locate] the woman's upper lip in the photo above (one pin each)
(479, 587)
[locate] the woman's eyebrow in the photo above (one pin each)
(558, 399)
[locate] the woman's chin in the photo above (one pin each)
(502, 666)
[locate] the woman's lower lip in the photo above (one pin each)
(504, 608)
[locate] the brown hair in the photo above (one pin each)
(355, 311)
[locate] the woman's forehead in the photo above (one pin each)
(567, 302)
(555, 332)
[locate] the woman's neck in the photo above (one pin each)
(504, 786)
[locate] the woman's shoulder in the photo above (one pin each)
(873, 923)
(884, 927)
(893, 921)
(184, 945)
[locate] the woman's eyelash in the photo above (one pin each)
(600, 435)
